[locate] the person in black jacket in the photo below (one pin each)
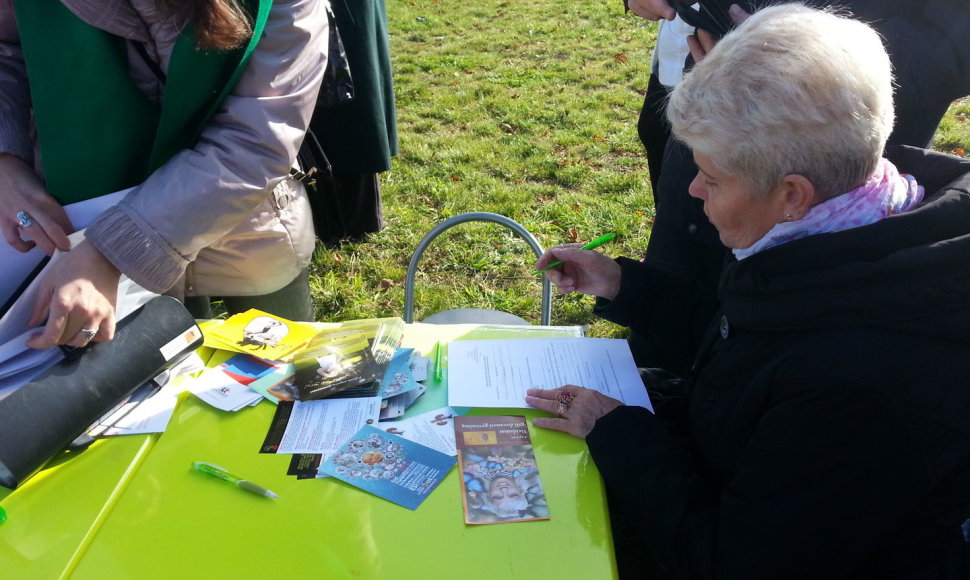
(824, 429)
(931, 61)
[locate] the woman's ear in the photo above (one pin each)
(797, 196)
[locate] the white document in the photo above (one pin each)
(497, 373)
(222, 391)
(434, 429)
(322, 426)
(18, 265)
(135, 417)
(152, 414)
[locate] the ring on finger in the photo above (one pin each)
(565, 400)
(24, 219)
(89, 334)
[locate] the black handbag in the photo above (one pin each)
(316, 174)
(338, 84)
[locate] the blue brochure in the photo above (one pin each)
(398, 378)
(388, 466)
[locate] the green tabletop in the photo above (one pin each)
(131, 507)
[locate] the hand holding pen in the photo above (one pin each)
(574, 268)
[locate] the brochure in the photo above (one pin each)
(390, 467)
(347, 359)
(318, 426)
(334, 361)
(260, 334)
(500, 478)
(433, 429)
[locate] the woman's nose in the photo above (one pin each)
(697, 188)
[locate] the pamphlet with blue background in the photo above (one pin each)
(388, 466)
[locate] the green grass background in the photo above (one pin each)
(526, 109)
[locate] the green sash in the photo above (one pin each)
(97, 132)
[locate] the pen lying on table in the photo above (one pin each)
(220, 473)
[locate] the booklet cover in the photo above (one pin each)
(500, 479)
(393, 468)
(334, 361)
(260, 334)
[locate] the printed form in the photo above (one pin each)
(497, 373)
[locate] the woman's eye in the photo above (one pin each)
(709, 183)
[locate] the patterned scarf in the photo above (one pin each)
(886, 193)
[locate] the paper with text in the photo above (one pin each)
(497, 373)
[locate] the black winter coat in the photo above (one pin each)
(926, 41)
(825, 428)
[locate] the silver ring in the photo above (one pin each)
(89, 334)
(24, 219)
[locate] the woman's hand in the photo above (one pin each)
(578, 408)
(78, 290)
(701, 42)
(652, 9)
(583, 271)
(22, 191)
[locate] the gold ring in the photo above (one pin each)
(565, 400)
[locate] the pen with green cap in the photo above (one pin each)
(593, 244)
(217, 472)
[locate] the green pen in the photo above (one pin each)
(438, 371)
(594, 244)
(217, 472)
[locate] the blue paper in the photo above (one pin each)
(391, 467)
(398, 378)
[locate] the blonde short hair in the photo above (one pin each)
(793, 90)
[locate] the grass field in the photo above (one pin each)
(526, 109)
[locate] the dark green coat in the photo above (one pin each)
(360, 137)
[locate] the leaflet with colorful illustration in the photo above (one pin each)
(500, 479)
(390, 467)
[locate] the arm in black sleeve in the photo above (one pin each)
(828, 467)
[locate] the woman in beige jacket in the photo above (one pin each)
(218, 215)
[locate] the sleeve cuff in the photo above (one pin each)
(147, 259)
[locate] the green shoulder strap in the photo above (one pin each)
(190, 103)
(97, 132)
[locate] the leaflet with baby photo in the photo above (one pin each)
(390, 467)
(500, 479)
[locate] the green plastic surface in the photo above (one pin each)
(86, 519)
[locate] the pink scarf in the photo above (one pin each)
(884, 194)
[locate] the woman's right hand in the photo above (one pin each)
(22, 191)
(583, 271)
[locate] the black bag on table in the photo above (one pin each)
(43, 417)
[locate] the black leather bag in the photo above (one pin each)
(43, 417)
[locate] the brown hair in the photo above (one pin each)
(219, 24)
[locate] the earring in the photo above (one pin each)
(789, 218)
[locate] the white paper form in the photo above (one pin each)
(434, 429)
(497, 373)
(322, 426)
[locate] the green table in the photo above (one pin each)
(130, 507)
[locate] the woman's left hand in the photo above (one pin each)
(578, 408)
(79, 292)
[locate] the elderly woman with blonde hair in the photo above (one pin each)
(824, 429)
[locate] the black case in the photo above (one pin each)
(41, 418)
